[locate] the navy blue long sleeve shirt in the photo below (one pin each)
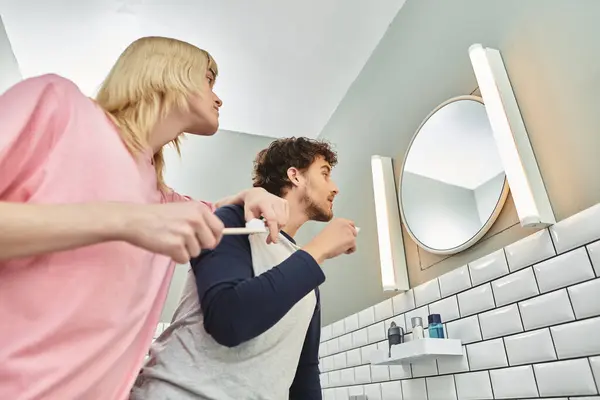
(239, 306)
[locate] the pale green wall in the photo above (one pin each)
(9, 69)
(552, 52)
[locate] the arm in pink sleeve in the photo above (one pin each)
(33, 117)
(29, 126)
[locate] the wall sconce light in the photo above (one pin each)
(518, 159)
(394, 274)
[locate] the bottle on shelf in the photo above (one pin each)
(436, 329)
(417, 325)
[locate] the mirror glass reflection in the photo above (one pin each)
(453, 183)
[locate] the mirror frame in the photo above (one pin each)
(495, 213)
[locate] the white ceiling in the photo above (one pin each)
(284, 65)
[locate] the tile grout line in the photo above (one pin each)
(455, 386)
(537, 387)
(587, 251)
(553, 343)
(491, 385)
(506, 353)
(521, 318)
(571, 304)
(596, 380)
(552, 241)
(469, 275)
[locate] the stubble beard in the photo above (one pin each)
(316, 213)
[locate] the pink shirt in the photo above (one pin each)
(75, 324)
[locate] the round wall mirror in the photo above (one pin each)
(453, 185)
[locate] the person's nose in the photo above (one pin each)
(335, 190)
(218, 101)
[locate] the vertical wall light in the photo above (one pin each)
(394, 275)
(522, 171)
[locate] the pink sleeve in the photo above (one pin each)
(29, 127)
(174, 197)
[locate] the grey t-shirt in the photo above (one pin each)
(187, 363)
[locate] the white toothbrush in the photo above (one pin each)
(243, 231)
(248, 230)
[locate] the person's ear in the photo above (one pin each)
(293, 176)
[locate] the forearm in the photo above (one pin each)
(31, 229)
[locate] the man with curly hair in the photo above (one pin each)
(248, 324)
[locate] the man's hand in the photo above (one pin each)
(260, 203)
(338, 237)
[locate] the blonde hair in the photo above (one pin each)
(153, 76)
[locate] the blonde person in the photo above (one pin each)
(89, 232)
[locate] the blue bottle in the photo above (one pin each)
(436, 329)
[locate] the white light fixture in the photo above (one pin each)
(394, 275)
(522, 171)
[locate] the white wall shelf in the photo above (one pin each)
(418, 350)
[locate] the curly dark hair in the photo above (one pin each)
(272, 163)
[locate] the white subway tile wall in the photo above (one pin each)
(534, 248)
(447, 308)
(455, 281)
(487, 355)
(476, 300)
(501, 322)
(514, 287)
(488, 268)
(384, 310)
(427, 293)
(528, 316)
(534, 312)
